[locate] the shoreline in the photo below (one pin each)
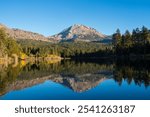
(10, 60)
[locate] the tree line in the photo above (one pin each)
(135, 43)
(64, 49)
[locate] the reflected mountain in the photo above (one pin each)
(80, 85)
(77, 76)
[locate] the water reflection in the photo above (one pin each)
(78, 76)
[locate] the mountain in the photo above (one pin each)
(21, 34)
(79, 33)
(71, 34)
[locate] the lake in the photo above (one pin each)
(76, 80)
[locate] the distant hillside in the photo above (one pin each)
(79, 33)
(21, 34)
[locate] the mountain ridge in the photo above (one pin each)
(20, 34)
(76, 32)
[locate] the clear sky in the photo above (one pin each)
(52, 16)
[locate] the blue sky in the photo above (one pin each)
(52, 16)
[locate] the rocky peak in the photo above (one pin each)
(79, 32)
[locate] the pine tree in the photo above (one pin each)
(128, 40)
(145, 35)
(117, 38)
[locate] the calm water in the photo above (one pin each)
(75, 80)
